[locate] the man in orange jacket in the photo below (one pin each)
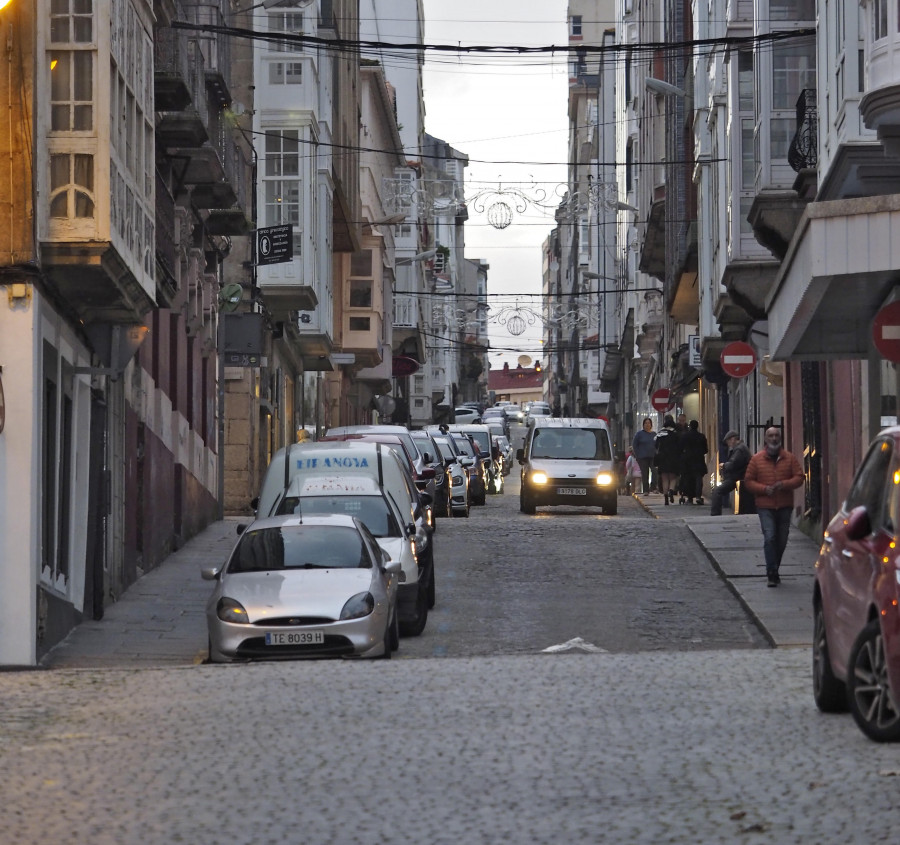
(772, 476)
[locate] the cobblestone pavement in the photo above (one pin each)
(623, 748)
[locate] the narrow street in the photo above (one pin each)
(509, 583)
(570, 686)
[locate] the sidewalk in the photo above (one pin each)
(146, 627)
(733, 544)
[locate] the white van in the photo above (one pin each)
(379, 462)
(568, 461)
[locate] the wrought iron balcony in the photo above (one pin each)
(803, 153)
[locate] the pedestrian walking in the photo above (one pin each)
(643, 447)
(732, 469)
(772, 476)
(694, 447)
(668, 458)
(634, 473)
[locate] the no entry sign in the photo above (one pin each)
(738, 359)
(886, 331)
(661, 400)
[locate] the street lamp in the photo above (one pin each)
(415, 259)
(657, 86)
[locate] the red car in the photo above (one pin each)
(856, 640)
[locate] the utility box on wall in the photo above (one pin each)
(243, 340)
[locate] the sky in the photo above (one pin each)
(503, 109)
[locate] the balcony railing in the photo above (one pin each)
(804, 150)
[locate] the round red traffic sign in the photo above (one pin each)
(738, 359)
(886, 331)
(661, 400)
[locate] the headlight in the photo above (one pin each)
(605, 479)
(539, 478)
(362, 604)
(458, 480)
(229, 610)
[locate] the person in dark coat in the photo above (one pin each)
(668, 458)
(733, 469)
(694, 447)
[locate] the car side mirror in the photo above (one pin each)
(426, 499)
(210, 573)
(411, 529)
(859, 525)
(391, 566)
(426, 456)
(520, 456)
(428, 473)
(254, 503)
(241, 527)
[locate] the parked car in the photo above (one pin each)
(498, 417)
(480, 435)
(506, 453)
(421, 475)
(568, 462)
(466, 415)
(384, 462)
(317, 586)
(424, 480)
(456, 465)
(483, 439)
(476, 470)
(431, 455)
(856, 598)
(391, 525)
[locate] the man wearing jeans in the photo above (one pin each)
(772, 476)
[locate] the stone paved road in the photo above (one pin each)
(511, 583)
(658, 747)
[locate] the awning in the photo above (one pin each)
(838, 271)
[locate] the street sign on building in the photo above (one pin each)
(886, 331)
(275, 244)
(738, 359)
(661, 400)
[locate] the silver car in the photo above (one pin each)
(317, 586)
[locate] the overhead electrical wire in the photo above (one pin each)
(578, 49)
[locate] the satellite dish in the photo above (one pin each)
(524, 360)
(230, 297)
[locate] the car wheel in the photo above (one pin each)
(417, 625)
(395, 632)
(388, 651)
(526, 504)
(431, 596)
(829, 693)
(611, 506)
(871, 703)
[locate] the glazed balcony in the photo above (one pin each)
(179, 85)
